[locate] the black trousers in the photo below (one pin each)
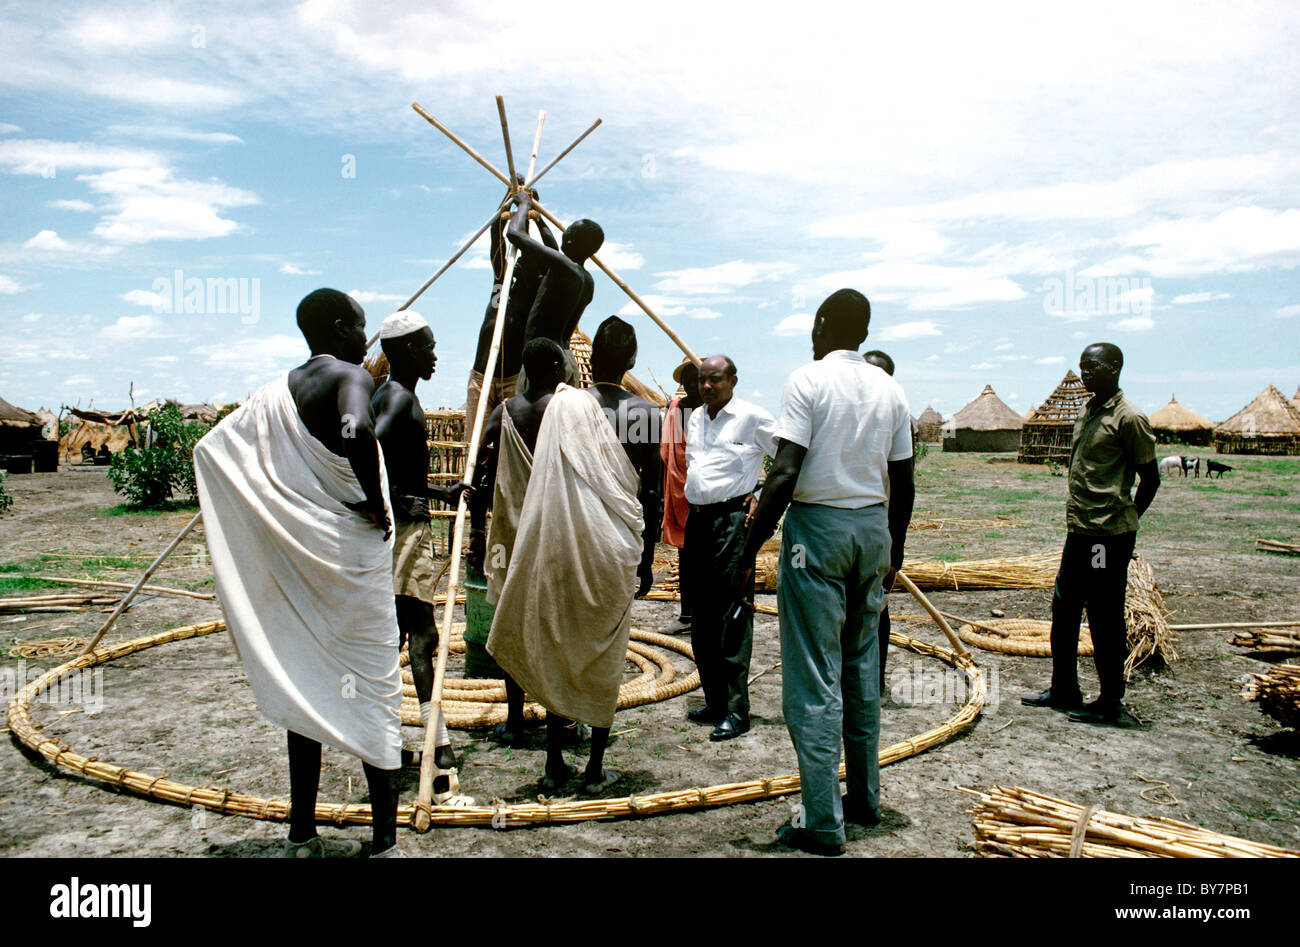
(685, 576)
(1093, 575)
(715, 537)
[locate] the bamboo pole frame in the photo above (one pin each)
(935, 614)
(509, 182)
(126, 599)
(421, 819)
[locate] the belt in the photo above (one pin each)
(724, 506)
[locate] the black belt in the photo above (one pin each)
(725, 506)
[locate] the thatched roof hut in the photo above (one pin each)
(1268, 425)
(986, 424)
(929, 425)
(1049, 428)
(1175, 424)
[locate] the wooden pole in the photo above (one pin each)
(482, 230)
(937, 615)
(618, 280)
(1236, 624)
(420, 818)
(126, 599)
(100, 584)
(505, 133)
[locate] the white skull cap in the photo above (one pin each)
(403, 322)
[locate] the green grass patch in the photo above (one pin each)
(30, 565)
(995, 535)
(13, 584)
(172, 506)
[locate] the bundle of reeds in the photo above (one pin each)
(1150, 640)
(946, 523)
(1272, 545)
(1012, 572)
(1277, 691)
(1278, 640)
(1018, 823)
(57, 602)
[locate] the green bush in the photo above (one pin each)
(148, 477)
(6, 500)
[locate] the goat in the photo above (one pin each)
(1213, 466)
(1192, 463)
(1169, 464)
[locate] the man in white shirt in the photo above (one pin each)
(844, 447)
(725, 444)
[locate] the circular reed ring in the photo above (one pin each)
(1027, 637)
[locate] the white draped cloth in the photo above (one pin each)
(514, 469)
(563, 617)
(306, 584)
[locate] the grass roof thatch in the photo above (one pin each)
(987, 412)
(1269, 414)
(1063, 405)
(1174, 417)
(13, 416)
(930, 416)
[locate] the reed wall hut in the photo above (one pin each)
(1049, 428)
(1268, 425)
(929, 426)
(1175, 424)
(986, 424)
(23, 446)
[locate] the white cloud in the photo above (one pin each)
(1050, 360)
(1199, 298)
(907, 330)
(45, 158)
(969, 294)
(620, 256)
(74, 205)
(154, 204)
(47, 240)
(293, 269)
(176, 134)
(1286, 312)
(1240, 239)
(8, 129)
(932, 358)
(924, 285)
(33, 317)
(141, 297)
(1003, 347)
(800, 323)
(720, 279)
(365, 296)
(702, 313)
(121, 31)
(1133, 324)
(132, 328)
(10, 286)
(982, 366)
(259, 357)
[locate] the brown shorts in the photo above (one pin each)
(415, 573)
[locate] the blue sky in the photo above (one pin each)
(1006, 184)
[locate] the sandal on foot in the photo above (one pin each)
(608, 777)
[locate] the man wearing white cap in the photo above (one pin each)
(408, 344)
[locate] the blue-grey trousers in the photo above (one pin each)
(829, 595)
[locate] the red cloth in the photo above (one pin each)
(672, 450)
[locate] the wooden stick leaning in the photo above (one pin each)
(420, 820)
(509, 182)
(937, 615)
(505, 133)
(126, 599)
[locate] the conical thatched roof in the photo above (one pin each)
(1270, 413)
(1296, 400)
(987, 412)
(1174, 417)
(930, 416)
(12, 416)
(1064, 405)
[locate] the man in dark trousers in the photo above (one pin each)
(1112, 445)
(725, 445)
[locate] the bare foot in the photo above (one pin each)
(552, 781)
(599, 782)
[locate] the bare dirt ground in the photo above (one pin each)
(186, 709)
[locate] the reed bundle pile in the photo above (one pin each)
(1150, 640)
(1277, 691)
(1017, 823)
(56, 602)
(945, 524)
(1278, 640)
(1272, 545)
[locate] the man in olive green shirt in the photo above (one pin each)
(1112, 446)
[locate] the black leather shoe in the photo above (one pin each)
(705, 715)
(1097, 712)
(1048, 699)
(732, 726)
(805, 841)
(860, 813)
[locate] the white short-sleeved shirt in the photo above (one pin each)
(724, 455)
(854, 420)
